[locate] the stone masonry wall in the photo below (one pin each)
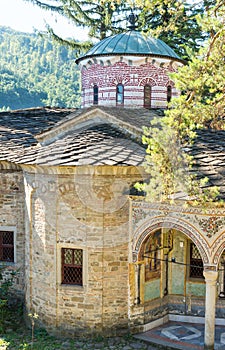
(12, 219)
(88, 211)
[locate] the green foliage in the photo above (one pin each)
(173, 21)
(33, 72)
(7, 278)
(201, 105)
(103, 18)
(202, 82)
(6, 282)
(17, 336)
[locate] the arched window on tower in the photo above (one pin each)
(147, 96)
(120, 94)
(169, 93)
(95, 95)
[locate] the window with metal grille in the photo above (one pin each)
(72, 266)
(7, 246)
(196, 264)
(119, 94)
(95, 93)
(147, 96)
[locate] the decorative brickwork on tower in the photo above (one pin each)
(114, 74)
(134, 76)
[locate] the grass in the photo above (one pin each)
(14, 335)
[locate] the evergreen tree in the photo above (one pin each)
(174, 21)
(201, 105)
(103, 18)
(33, 72)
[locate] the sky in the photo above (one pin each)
(26, 17)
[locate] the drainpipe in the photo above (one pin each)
(138, 284)
(169, 249)
(167, 275)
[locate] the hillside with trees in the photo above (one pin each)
(35, 72)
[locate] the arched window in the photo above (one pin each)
(120, 94)
(196, 263)
(169, 93)
(95, 95)
(147, 96)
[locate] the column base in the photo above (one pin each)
(208, 347)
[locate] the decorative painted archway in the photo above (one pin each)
(184, 227)
(206, 228)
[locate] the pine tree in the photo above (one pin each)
(200, 105)
(173, 21)
(103, 18)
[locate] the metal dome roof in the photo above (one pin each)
(130, 43)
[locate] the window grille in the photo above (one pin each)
(95, 93)
(119, 94)
(147, 96)
(72, 266)
(7, 246)
(196, 264)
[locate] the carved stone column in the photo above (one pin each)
(210, 308)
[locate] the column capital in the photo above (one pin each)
(210, 276)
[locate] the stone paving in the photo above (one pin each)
(116, 343)
(183, 336)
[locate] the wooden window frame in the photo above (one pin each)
(147, 96)
(73, 267)
(7, 246)
(195, 262)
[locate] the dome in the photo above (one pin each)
(131, 43)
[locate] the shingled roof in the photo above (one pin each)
(72, 137)
(209, 157)
(54, 136)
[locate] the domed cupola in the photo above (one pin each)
(129, 70)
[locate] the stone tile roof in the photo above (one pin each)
(18, 129)
(129, 119)
(209, 157)
(104, 143)
(95, 144)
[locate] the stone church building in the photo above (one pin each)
(91, 254)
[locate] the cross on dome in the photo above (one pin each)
(132, 19)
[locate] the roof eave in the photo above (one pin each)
(78, 60)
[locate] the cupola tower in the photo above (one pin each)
(129, 70)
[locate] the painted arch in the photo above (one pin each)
(218, 248)
(158, 222)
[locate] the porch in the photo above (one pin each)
(184, 333)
